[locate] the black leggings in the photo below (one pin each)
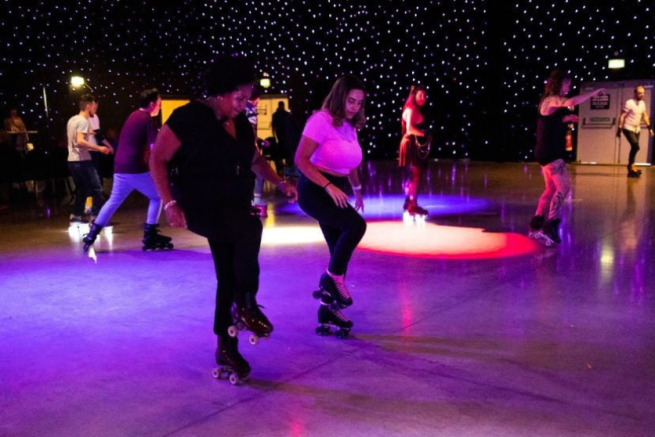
(343, 228)
(633, 139)
(237, 270)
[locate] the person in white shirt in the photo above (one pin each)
(634, 112)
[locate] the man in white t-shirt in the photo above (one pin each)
(79, 160)
(634, 111)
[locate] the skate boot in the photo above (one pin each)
(633, 168)
(332, 288)
(231, 364)
(551, 228)
(413, 212)
(250, 317)
(331, 315)
(152, 239)
(75, 220)
(536, 224)
(90, 238)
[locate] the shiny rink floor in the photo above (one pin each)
(463, 326)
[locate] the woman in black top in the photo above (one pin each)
(414, 147)
(554, 114)
(209, 147)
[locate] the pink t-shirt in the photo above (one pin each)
(338, 149)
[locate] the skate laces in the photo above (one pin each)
(339, 315)
(340, 284)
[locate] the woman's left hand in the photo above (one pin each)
(359, 201)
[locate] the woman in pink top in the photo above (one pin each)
(414, 147)
(328, 157)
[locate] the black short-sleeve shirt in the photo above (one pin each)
(212, 178)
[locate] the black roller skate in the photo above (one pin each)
(250, 317)
(331, 315)
(90, 238)
(152, 239)
(231, 364)
(332, 288)
(413, 212)
(551, 228)
(536, 224)
(548, 235)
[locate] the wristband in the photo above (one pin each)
(169, 204)
(327, 185)
(356, 187)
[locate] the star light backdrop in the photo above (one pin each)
(484, 61)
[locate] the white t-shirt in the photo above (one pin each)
(94, 125)
(75, 153)
(634, 112)
(338, 150)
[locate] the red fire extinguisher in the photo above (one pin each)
(569, 138)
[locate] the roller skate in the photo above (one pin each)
(551, 228)
(90, 238)
(536, 224)
(76, 220)
(152, 239)
(231, 365)
(333, 289)
(548, 234)
(633, 172)
(413, 212)
(330, 315)
(249, 318)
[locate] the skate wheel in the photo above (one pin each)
(253, 339)
(232, 331)
(323, 330)
(216, 373)
(234, 379)
(317, 294)
(340, 334)
(144, 248)
(241, 326)
(170, 246)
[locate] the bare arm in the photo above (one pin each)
(306, 149)
(553, 104)
(622, 119)
(81, 141)
(262, 168)
(353, 177)
(646, 119)
(410, 120)
(166, 147)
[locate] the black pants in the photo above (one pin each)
(633, 139)
(86, 184)
(237, 270)
(343, 228)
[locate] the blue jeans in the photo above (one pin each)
(343, 228)
(87, 184)
(124, 184)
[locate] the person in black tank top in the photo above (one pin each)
(554, 114)
(208, 149)
(414, 147)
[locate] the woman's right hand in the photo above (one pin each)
(175, 216)
(340, 198)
